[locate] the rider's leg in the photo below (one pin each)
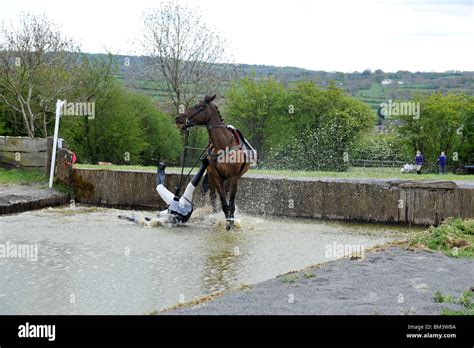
(188, 193)
(164, 193)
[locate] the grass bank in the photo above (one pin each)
(19, 176)
(354, 172)
(454, 237)
(464, 302)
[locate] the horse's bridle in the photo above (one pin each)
(198, 110)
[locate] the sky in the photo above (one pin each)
(330, 35)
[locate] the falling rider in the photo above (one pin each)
(179, 209)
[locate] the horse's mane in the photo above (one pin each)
(219, 113)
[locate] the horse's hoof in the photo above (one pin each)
(229, 225)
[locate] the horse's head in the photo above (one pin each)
(196, 115)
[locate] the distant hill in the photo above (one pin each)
(372, 87)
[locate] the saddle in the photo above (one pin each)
(250, 154)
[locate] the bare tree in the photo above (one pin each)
(37, 66)
(183, 53)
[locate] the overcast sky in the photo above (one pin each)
(331, 35)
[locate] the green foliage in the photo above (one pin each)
(445, 124)
(440, 298)
(466, 147)
(161, 136)
(464, 300)
(3, 122)
(253, 105)
(127, 129)
(381, 146)
(321, 131)
(301, 127)
(455, 237)
(5, 127)
(113, 135)
(289, 278)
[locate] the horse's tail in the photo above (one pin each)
(205, 184)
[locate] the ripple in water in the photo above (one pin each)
(91, 262)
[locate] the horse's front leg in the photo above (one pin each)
(222, 194)
(213, 196)
(233, 193)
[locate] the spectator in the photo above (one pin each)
(418, 162)
(442, 163)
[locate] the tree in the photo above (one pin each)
(162, 138)
(114, 135)
(37, 66)
(322, 130)
(444, 124)
(183, 52)
(466, 146)
(254, 105)
(127, 129)
(381, 146)
(301, 127)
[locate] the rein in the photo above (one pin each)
(181, 181)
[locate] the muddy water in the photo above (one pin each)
(90, 262)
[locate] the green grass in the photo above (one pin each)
(464, 300)
(354, 172)
(454, 237)
(288, 278)
(20, 176)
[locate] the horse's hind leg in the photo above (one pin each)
(213, 196)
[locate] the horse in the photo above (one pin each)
(227, 158)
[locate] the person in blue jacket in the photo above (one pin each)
(418, 161)
(442, 163)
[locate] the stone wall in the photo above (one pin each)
(384, 201)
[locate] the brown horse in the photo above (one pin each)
(227, 159)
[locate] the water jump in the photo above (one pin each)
(227, 157)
